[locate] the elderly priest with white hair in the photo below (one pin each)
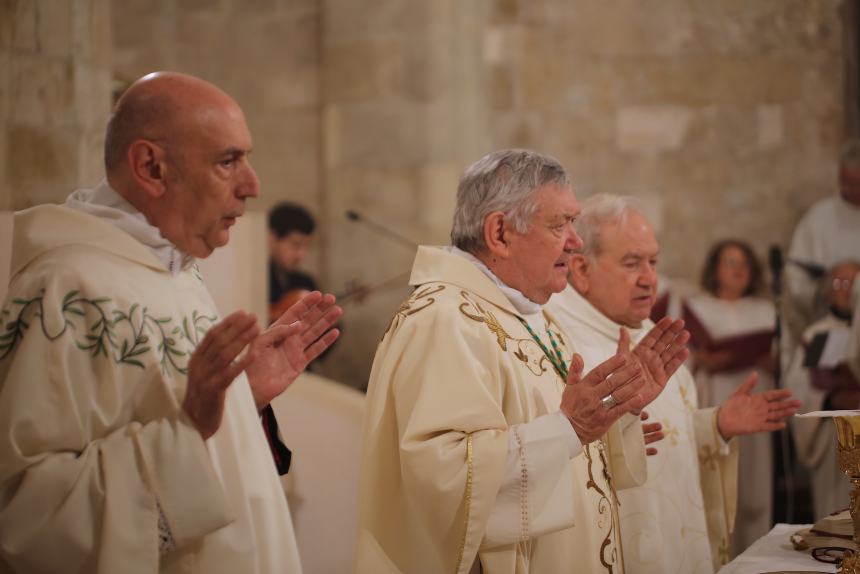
(679, 520)
(483, 444)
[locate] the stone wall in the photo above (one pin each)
(724, 116)
(403, 96)
(54, 97)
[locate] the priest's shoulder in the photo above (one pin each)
(436, 304)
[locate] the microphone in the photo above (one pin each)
(353, 215)
(776, 265)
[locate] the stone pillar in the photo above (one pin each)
(55, 97)
(403, 97)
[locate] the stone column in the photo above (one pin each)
(55, 98)
(403, 96)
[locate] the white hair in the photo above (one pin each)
(503, 181)
(599, 210)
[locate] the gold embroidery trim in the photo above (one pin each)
(487, 318)
(406, 308)
(708, 457)
(604, 506)
(524, 488)
(474, 311)
(468, 497)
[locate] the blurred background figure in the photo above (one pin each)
(829, 232)
(291, 229)
(732, 330)
(820, 377)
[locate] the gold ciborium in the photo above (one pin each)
(848, 455)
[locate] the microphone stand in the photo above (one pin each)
(776, 266)
(353, 215)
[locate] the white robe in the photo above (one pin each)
(96, 339)
(815, 438)
(829, 232)
(724, 319)
(679, 519)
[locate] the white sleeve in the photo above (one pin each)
(536, 494)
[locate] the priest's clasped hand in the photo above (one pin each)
(619, 377)
(747, 413)
(660, 353)
(273, 361)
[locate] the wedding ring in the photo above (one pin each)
(608, 401)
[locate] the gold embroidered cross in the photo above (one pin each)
(708, 457)
(670, 432)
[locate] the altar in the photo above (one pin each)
(773, 552)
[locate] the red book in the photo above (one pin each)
(746, 350)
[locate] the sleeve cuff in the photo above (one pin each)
(723, 445)
(548, 426)
(180, 473)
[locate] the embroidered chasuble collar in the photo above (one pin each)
(436, 264)
(443, 263)
(109, 206)
(523, 304)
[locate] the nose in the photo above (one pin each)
(250, 184)
(648, 276)
(574, 241)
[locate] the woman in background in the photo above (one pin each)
(732, 331)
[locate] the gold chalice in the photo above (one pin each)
(848, 455)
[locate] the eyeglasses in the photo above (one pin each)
(842, 284)
(829, 554)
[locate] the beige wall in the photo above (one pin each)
(54, 97)
(724, 116)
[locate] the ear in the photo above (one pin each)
(580, 272)
(148, 165)
(494, 234)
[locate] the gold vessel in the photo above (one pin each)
(848, 455)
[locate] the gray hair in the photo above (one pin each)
(505, 181)
(849, 157)
(599, 210)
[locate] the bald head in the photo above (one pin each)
(177, 149)
(158, 106)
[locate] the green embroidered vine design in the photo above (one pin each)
(103, 336)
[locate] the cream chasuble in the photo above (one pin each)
(723, 320)
(93, 360)
(455, 375)
(679, 519)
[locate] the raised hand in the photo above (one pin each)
(618, 380)
(213, 366)
(660, 354)
(653, 432)
(747, 413)
(283, 351)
